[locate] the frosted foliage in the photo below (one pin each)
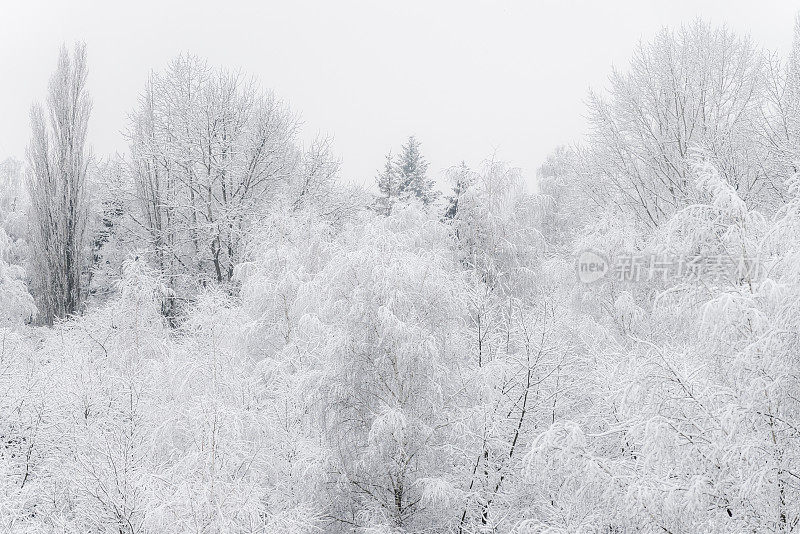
(252, 346)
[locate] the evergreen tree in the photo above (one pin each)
(405, 177)
(413, 169)
(389, 186)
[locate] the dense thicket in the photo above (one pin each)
(425, 366)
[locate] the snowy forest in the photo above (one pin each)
(216, 332)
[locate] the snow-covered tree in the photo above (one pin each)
(405, 178)
(58, 160)
(209, 150)
(412, 169)
(694, 88)
(389, 186)
(334, 369)
(462, 179)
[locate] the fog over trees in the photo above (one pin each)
(216, 332)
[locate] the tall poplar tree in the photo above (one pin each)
(58, 160)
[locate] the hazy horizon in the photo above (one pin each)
(466, 79)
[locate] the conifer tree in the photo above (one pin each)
(389, 186)
(404, 178)
(413, 168)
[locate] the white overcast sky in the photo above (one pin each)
(468, 78)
